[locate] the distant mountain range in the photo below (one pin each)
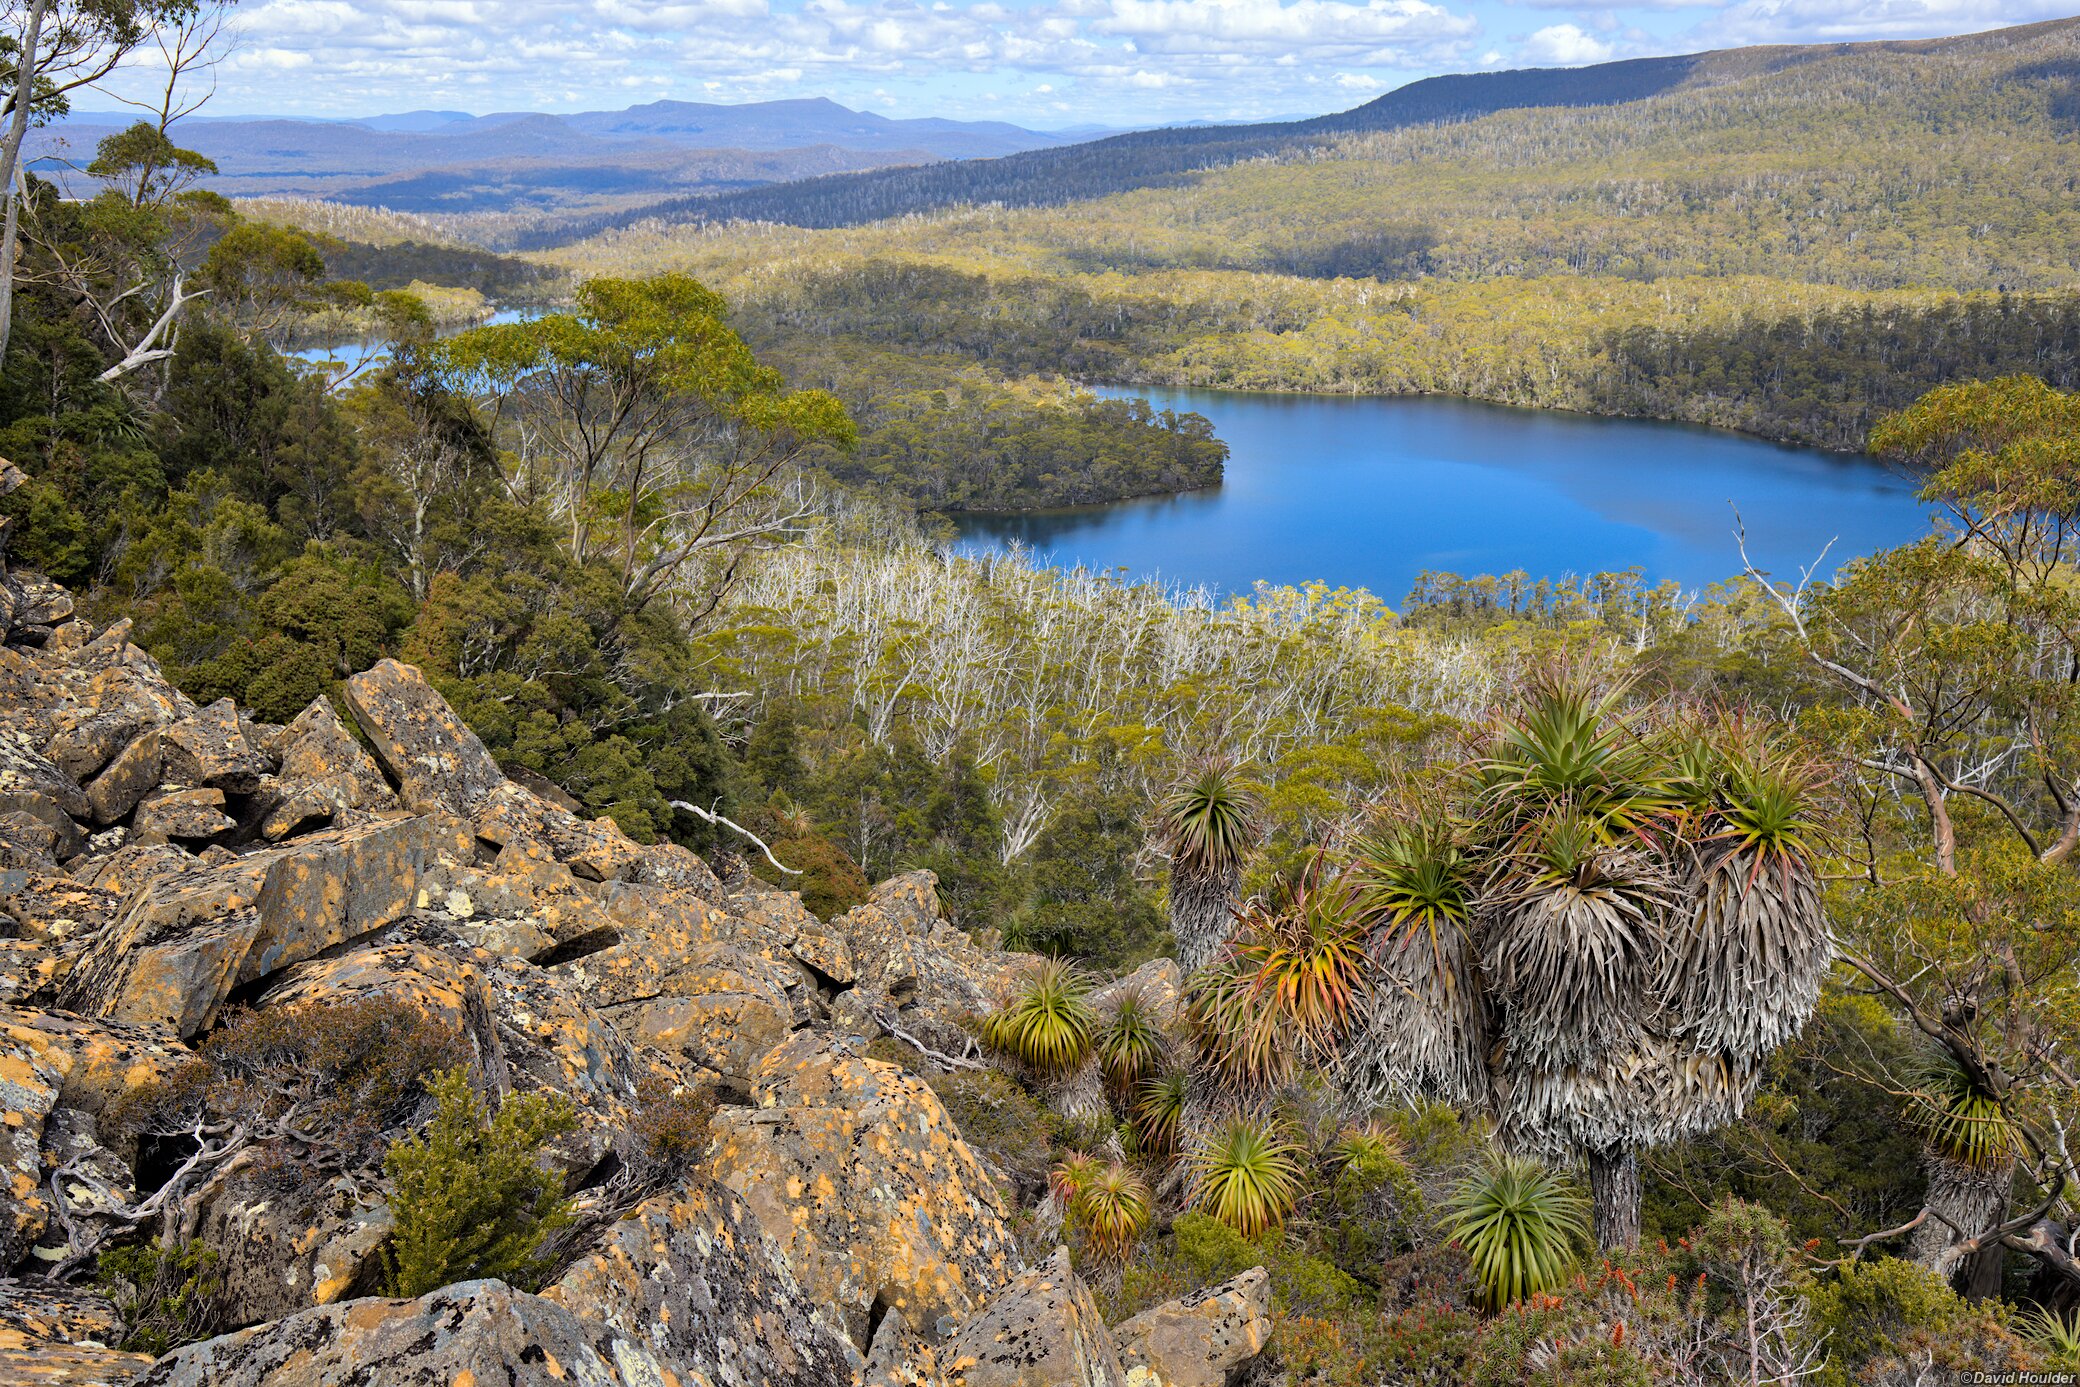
(441, 161)
(1148, 158)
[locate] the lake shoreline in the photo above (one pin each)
(1782, 440)
(1370, 491)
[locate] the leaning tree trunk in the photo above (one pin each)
(1962, 1202)
(1614, 1198)
(1202, 914)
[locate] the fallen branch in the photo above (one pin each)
(710, 816)
(1859, 1244)
(940, 1057)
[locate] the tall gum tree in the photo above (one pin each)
(1950, 672)
(647, 428)
(50, 49)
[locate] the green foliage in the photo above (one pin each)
(1159, 1106)
(1884, 1314)
(1129, 1043)
(1521, 1224)
(1112, 1206)
(163, 1296)
(1210, 821)
(1959, 1120)
(1048, 1023)
(2056, 1336)
(831, 883)
(1247, 1175)
(1306, 958)
(1820, 1136)
(1202, 1251)
(470, 1194)
(948, 437)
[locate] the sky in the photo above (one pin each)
(1040, 63)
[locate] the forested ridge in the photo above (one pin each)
(1794, 247)
(1075, 173)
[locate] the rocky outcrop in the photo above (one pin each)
(57, 1336)
(185, 941)
(165, 867)
(1204, 1339)
(437, 763)
(479, 1332)
(1042, 1331)
(852, 1167)
(690, 1275)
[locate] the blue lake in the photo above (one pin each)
(1370, 491)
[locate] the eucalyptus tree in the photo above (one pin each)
(1597, 937)
(649, 430)
(51, 49)
(1945, 674)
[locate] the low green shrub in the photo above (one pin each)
(1879, 1316)
(163, 1296)
(471, 1197)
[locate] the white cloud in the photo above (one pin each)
(1824, 21)
(1135, 59)
(1564, 45)
(1239, 25)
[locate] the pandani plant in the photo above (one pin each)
(1112, 1205)
(1596, 933)
(1208, 824)
(1247, 1174)
(1159, 1111)
(1521, 1225)
(1048, 1023)
(1130, 1043)
(1970, 1145)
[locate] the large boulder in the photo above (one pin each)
(909, 958)
(1204, 1339)
(855, 1170)
(32, 784)
(108, 696)
(690, 1275)
(32, 1074)
(283, 1245)
(782, 916)
(594, 849)
(128, 778)
(185, 941)
(325, 777)
(59, 1336)
(56, 1073)
(477, 1332)
(436, 761)
(317, 747)
(185, 816)
(54, 1364)
(725, 1009)
(209, 750)
(1043, 1330)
